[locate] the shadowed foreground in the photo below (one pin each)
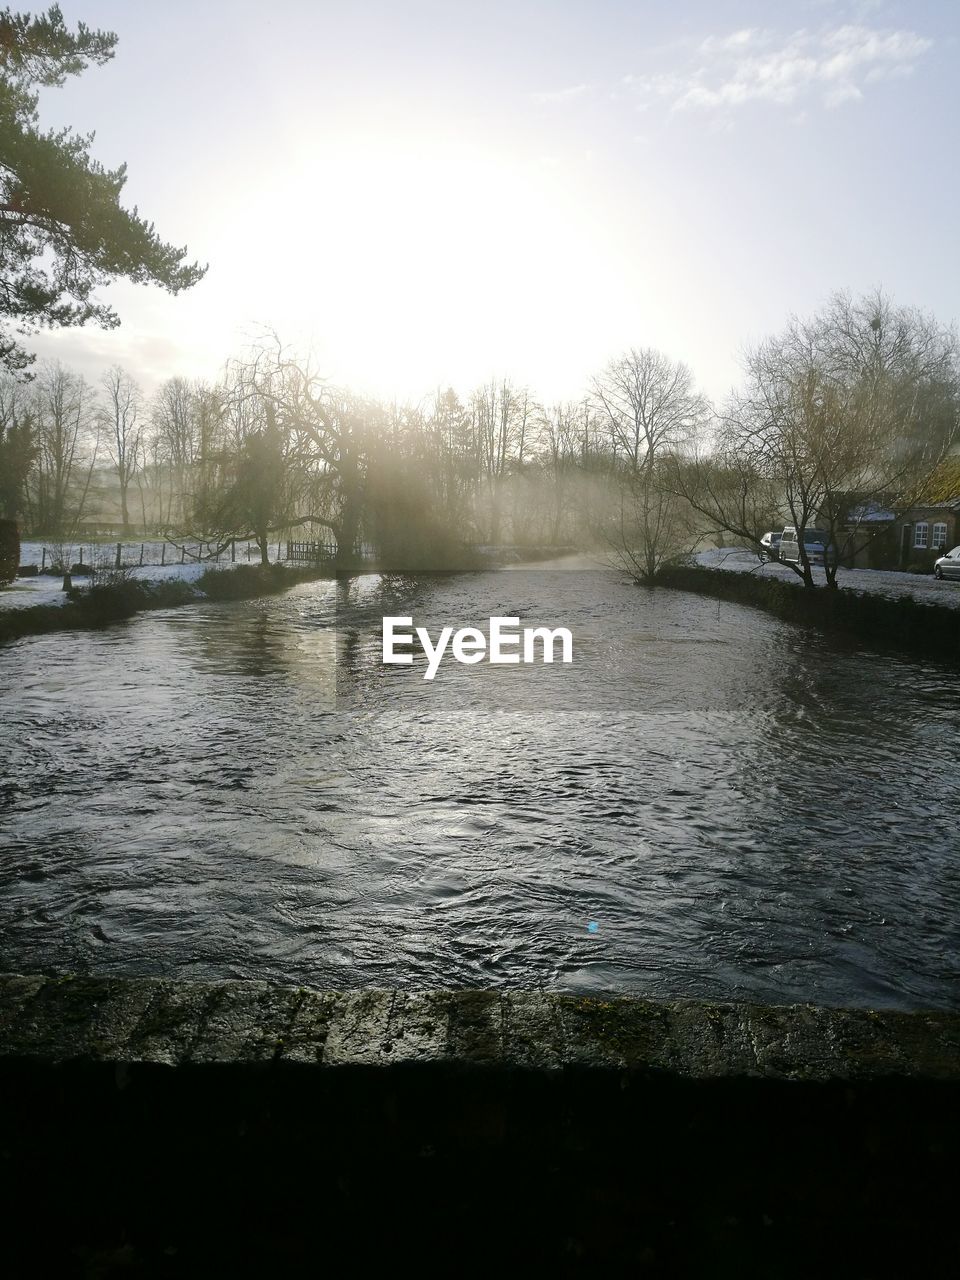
(165, 1128)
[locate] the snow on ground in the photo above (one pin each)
(25, 592)
(47, 588)
(885, 582)
(104, 553)
(185, 572)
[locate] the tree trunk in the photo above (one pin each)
(495, 515)
(347, 530)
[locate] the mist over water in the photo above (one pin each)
(741, 808)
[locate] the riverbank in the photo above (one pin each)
(896, 584)
(167, 1128)
(878, 621)
(92, 606)
(37, 605)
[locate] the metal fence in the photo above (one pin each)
(311, 552)
(88, 556)
(325, 552)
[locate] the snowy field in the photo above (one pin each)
(104, 553)
(48, 589)
(885, 582)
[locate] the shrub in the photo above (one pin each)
(246, 581)
(58, 561)
(167, 593)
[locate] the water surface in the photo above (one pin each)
(708, 803)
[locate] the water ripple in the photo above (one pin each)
(241, 790)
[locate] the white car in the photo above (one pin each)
(948, 566)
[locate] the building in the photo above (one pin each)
(878, 536)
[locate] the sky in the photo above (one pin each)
(433, 192)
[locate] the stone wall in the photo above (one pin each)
(161, 1128)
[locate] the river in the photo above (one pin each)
(707, 803)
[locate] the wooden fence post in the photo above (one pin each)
(118, 559)
(163, 553)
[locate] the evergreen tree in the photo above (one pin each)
(17, 447)
(63, 231)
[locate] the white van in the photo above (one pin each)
(816, 543)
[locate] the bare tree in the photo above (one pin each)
(649, 403)
(577, 470)
(501, 416)
(838, 417)
(66, 441)
(655, 525)
(653, 414)
(178, 444)
(308, 442)
(120, 417)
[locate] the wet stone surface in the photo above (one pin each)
(147, 1020)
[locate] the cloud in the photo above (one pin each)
(749, 37)
(559, 95)
(831, 66)
(841, 94)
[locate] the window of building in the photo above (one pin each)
(920, 532)
(939, 536)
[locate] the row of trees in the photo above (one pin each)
(64, 442)
(839, 414)
(850, 409)
(271, 447)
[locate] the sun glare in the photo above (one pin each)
(408, 262)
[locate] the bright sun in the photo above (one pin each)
(405, 263)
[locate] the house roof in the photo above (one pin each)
(870, 513)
